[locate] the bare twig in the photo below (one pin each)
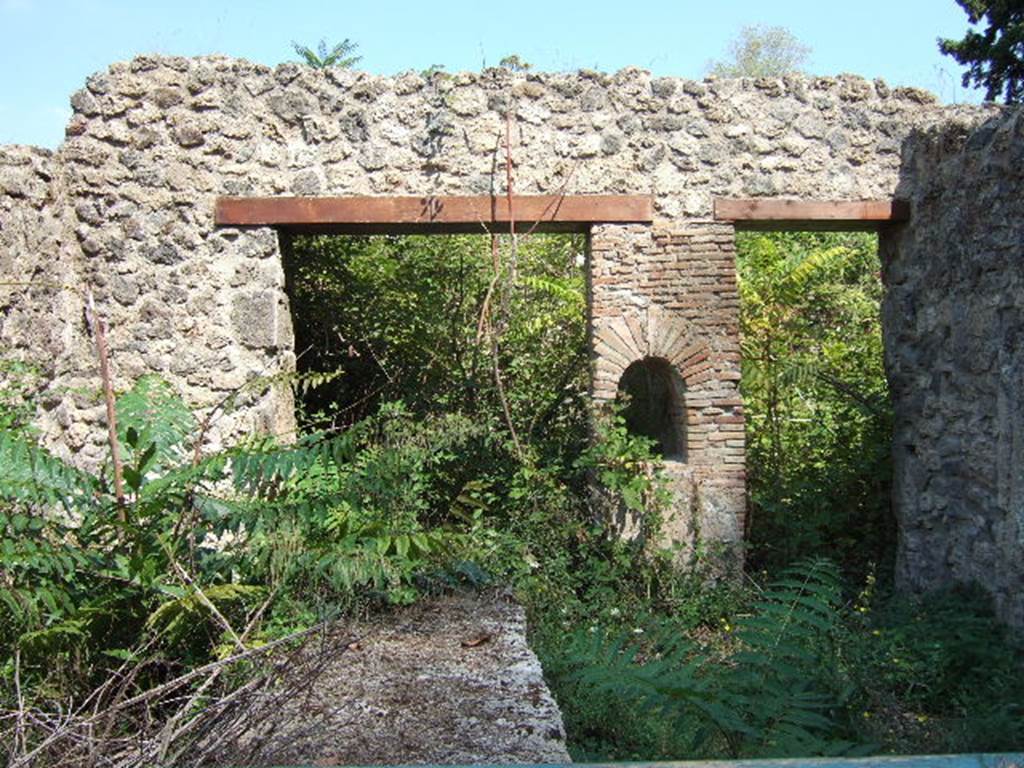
(514, 260)
(199, 672)
(207, 603)
(99, 331)
(500, 386)
(554, 205)
(19, 734)
(76, 734)
(485, 307)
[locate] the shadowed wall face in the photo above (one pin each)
(954, 333)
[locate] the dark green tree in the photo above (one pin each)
(322, 58)
(994, 58)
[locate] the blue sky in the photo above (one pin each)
(49, 47)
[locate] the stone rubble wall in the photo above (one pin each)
(41, 303)
(153, 142)
(954, 320)
(448, 681)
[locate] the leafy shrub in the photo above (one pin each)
(818, 414)
(937, 674)
(201, 540)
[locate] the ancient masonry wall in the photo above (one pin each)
(40, 298)
(954, 319)
(129, 201)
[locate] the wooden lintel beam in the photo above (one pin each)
(766, 213)
(444, 212)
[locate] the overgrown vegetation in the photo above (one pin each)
(472, 478)
(819, 418)
(445, 443)
(814, 655)
(209, 557)
(798, 669)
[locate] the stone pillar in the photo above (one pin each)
(667, 295)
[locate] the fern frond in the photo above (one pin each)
(53, 639)
(32, 475)
(565, 291)
(768, 698)
(803, 269)
(338, 56)
(262, 464)
(180, 615)
(153, 423)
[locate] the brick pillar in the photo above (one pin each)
(669, 292)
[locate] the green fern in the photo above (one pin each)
(782, 680)
(180, 616)
(774, 694)
(152, 414)
(338, 56)
(53, 639)
(801, 271)
(32, 475)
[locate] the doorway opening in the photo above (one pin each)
(819, 420)
(442, 324)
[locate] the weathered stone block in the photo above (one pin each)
(254, 319)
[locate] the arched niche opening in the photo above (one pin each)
(652, 393)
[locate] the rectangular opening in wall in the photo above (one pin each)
(819, 420)
(442, 326)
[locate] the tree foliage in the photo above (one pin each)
(429, 320)
(760, 51)
(819, 418)
(515, 63)
(994, 57)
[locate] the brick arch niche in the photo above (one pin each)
(652, 398)
(664, 313)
